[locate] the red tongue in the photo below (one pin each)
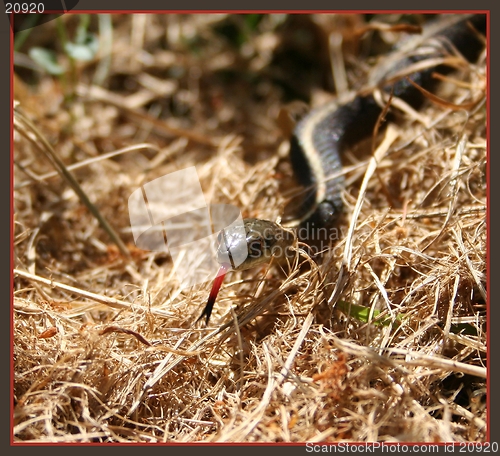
(207, 311)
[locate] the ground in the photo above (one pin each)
(383, 339)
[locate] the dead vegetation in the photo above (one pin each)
(384, 340)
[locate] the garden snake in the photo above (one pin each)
(320, 137)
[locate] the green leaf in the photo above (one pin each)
(82, 30)
(46, 59)
(362, 313)
(83, 52)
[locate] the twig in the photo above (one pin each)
(24, 127)
(112, 302)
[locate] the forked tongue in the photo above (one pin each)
(207, 311)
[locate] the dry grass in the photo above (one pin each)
(105, 347)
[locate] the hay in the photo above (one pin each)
(384, 340)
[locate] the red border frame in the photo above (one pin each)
(305, 11)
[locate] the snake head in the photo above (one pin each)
(255, 244)
(243, 247)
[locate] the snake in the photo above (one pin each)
(320, 137)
